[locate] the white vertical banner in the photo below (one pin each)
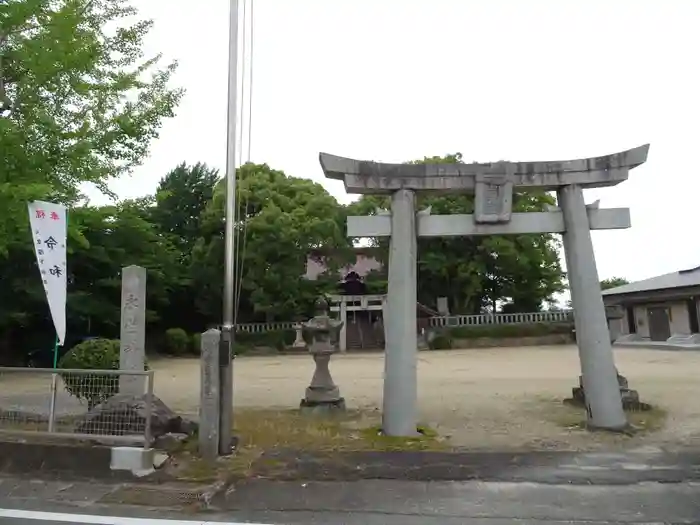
(48, 222)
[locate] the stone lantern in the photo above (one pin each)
(322, 394)
(299, 342)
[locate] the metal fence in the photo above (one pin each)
(77, 404)
(502, 319)
(260, 328)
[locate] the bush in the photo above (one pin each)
(510, 330)
(196, 344)
(94, 354)
(177, 341)
(441, 342)
(278, 339)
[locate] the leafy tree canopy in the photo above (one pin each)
(79, 101)
(281, 220)
(613, 282)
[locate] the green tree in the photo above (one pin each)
(181, 199)
(110, 238)
(281, 220)
(102, 241)
(478, 272)
(613, 282)
(79, 102)
(182, 196)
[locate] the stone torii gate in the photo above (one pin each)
(493, 185)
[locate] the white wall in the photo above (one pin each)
(680, 320)
(678, 317)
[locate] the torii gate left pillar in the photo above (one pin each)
(492, 185)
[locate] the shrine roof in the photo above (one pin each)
(680, 279)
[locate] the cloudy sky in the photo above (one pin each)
(394, 80)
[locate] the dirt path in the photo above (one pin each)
(500, 398)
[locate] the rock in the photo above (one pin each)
(170, 441)
(125, 414)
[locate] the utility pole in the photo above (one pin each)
(227, 332)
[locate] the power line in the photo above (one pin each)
(243, 222)
(250, 81)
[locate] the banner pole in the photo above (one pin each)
(50, 237)
(54, 384)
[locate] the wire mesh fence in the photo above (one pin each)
(113, 405)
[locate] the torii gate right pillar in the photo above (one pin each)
(592, 333)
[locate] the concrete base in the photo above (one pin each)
(322, 407)
(656, 345)
(629, 338)
(684, 339)
(138, 461)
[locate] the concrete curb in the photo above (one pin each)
(175, 495)
(77, 460)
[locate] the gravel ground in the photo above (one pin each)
(496, 398)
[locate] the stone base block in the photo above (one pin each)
(322, 394)
(629, 338)
(322, 407)
(630, 400)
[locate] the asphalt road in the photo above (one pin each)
(413, 503)
(644, 487)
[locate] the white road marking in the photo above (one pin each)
(103, 520)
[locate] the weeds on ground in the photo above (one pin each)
(261, 431)
(574, 418)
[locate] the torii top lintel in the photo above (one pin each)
(376, 177)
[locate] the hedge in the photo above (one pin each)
(444, 339)
(177, 342)
(279, 339)
(510, 330)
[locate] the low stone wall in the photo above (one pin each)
(492, 342)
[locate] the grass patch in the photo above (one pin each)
(350, 431)
(261, 431)
(427, 440)
(574, 418)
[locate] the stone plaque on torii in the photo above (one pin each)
(493, 185)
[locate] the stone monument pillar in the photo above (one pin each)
(599, 375)
(399, 413)
(132, 338)
(343, 338)
(209, 401)
(322, 394)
